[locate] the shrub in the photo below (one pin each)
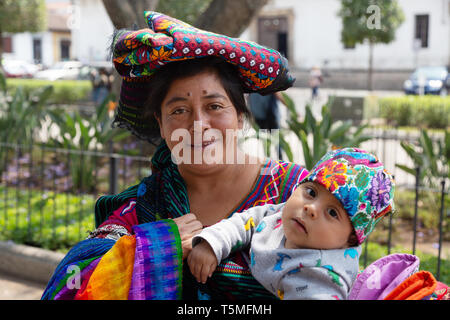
(418, 111)
(54, 221)
(64, 91)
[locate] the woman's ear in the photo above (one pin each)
(158, 119)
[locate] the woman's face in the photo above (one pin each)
(196, 116)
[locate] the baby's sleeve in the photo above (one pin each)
(232, 233)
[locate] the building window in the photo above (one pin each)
(37, 50)
(273, 33)
(7, 44)
(421, 32)
(65, 49)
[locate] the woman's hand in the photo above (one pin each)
(202, 261)
(188, 226)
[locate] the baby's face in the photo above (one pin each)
(314, 219)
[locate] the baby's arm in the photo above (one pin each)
(216, 242)
(202, 261)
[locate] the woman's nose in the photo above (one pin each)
(200, 122)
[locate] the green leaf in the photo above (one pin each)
(309, 161)
(431, 158)
(310, 121)
(2, 82)
(411, 171)
(412, 153)
(286, 148)
(290, 105)
(338, 132)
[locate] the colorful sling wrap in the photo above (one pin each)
(147, 264)
(137, 55)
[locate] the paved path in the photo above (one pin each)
(13, 288)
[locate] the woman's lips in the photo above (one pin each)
(300, 224)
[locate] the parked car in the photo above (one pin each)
(19, 68)
(428, 80)
(64, 70)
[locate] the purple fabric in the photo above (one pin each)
(156, 272)
(69, 294)
(383, 276)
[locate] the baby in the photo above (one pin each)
(309, 246)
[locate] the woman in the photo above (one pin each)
(179, 80)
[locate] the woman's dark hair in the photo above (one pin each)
(164, 77)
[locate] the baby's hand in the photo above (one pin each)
(202, 261)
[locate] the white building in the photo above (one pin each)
(45, 47)
(309, 30)
(91, 31)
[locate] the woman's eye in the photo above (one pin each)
(178, 111)
(215, 106)
(311, 192)
(333, 213)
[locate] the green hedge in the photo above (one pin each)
(416, 111)
(64, 91)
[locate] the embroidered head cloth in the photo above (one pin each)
(360, 182)
(137, 55)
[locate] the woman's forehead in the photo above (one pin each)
(205, 83)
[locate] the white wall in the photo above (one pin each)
(316, 36)
(91, 31)
(48, 58)
(22, 47)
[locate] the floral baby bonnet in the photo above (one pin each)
(360, 182)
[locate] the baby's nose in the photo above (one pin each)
(310, 211)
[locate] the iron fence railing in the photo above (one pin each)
(47, 194)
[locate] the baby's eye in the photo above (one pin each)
(333, 213)
(310, 192)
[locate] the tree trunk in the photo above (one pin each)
(127, 14)
(229, 17)
(370, 73)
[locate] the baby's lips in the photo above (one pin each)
(301, 223)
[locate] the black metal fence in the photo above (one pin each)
(47, 194)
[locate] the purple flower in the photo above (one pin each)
(380, 188)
